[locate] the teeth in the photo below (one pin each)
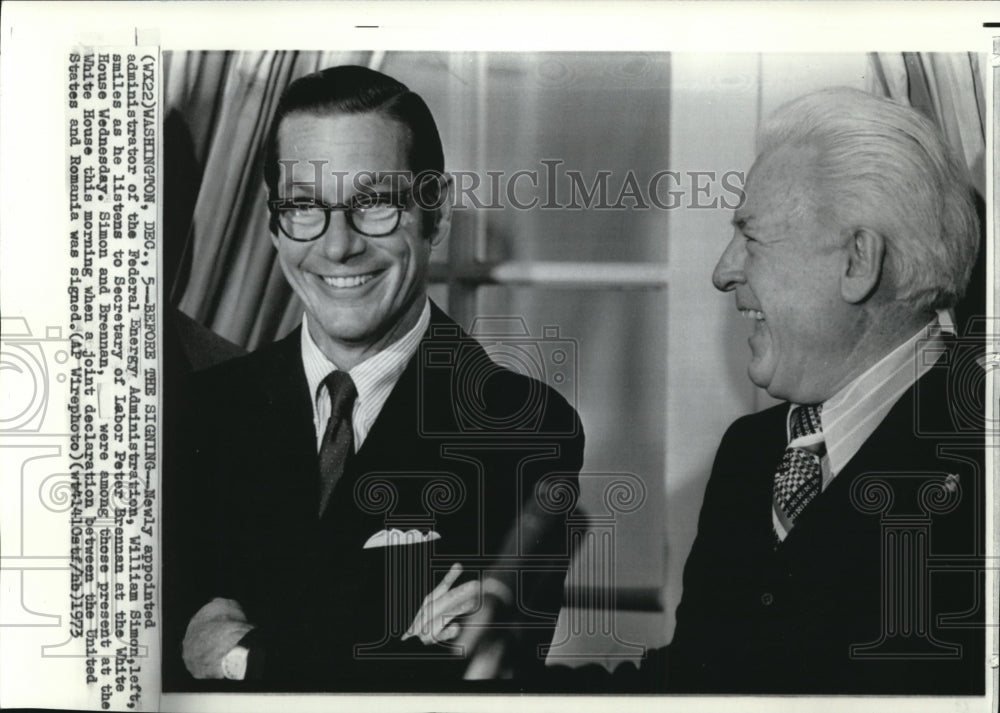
(753, 314)
(353, 281)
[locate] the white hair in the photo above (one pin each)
(883, 166)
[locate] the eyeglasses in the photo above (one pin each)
(372, 214)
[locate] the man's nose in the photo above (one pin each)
(729, 270)
(340, 241)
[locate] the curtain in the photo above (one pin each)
(219, 257)
(948, 88)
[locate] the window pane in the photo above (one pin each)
(601, 119)
(604, 118)
(619, 388)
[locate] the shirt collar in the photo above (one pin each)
(374, 373)
(851, 415)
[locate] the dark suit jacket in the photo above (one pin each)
(459, 447)
(890, 555)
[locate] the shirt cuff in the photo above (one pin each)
(214, 631)
(234, 663)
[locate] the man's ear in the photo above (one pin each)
(865, 255)
(442, 226)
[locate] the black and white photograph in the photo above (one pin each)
(577, 370)
(498, 504)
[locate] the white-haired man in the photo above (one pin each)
(839, 543)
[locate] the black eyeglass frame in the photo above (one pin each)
(400, 201)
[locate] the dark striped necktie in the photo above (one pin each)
(338, 439)
(799, 477)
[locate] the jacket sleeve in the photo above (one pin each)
(538, 545)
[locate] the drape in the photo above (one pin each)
(219, 106)
(948, 88)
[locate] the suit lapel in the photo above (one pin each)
(394, 444)
(395, 428)
(398, 425)
(397, 434)
(285, 413)
(398, 441)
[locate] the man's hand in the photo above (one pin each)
(435, 622)
(480, 602)
(212, 633)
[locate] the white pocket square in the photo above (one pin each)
(393, 537)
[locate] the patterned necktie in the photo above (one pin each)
(338, 440)
(800, 476)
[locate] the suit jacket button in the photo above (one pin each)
(767, 599)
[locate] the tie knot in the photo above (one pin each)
(806, 421)
(343, 392)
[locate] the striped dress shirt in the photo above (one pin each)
(374, 378)
(851, 415)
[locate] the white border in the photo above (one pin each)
(35, 35)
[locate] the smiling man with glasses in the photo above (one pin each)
(341, 485)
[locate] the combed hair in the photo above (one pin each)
(885, 167)
(350, 89)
